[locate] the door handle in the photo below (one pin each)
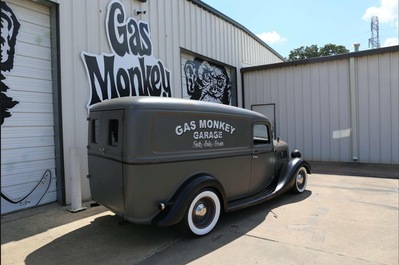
(255, 154)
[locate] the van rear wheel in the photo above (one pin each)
(203, 213)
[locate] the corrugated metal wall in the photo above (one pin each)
(174, 25)
(341, 109)
(181, 24)
(378, 90)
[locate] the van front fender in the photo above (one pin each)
(177, 206)
(287, 173)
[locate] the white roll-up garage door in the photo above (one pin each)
(27, 132)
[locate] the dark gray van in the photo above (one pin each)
(160, 161)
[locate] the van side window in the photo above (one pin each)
(261, 134)
(95, 131)
(113, 132)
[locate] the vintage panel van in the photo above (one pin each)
(161, 161)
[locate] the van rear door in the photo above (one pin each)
(105, 158)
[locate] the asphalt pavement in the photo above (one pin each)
(349, 214)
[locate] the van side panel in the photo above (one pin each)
(153, 136)
(165, 148)
(145, 186)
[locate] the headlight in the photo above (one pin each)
(296, 153)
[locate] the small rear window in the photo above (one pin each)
(113, 132)
(95, 131)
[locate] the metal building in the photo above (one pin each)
(62, 56)
(341, 108)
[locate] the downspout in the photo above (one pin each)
(354, 108)
(242, 90)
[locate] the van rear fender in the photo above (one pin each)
(176, 207)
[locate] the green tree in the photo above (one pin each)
(313, 51)
(332, 49)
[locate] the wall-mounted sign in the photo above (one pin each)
(206, 81)
(9, 32)
(131, 69)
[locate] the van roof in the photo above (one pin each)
(176, 104)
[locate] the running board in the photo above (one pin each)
(268, 193)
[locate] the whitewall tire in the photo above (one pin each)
(203, 213)
(301, 180)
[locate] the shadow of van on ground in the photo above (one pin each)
(105, 241)
(24, 224)
(231, 226)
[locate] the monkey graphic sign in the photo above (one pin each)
(9, 31)
(206, 81)
(33, 194)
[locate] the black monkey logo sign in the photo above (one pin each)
(9, 31)
(207, 82)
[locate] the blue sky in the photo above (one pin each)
(289, 24)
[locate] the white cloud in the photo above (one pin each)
(391, 42)
(387, 12)
(271, 37)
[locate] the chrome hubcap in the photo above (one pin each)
(200, 210)
(299, 179)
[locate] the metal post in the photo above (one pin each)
(76, 191)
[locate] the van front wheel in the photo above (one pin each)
(301, 180)
(203, 213)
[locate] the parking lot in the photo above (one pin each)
(348, 215)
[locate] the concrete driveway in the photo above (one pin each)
(340, 219)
